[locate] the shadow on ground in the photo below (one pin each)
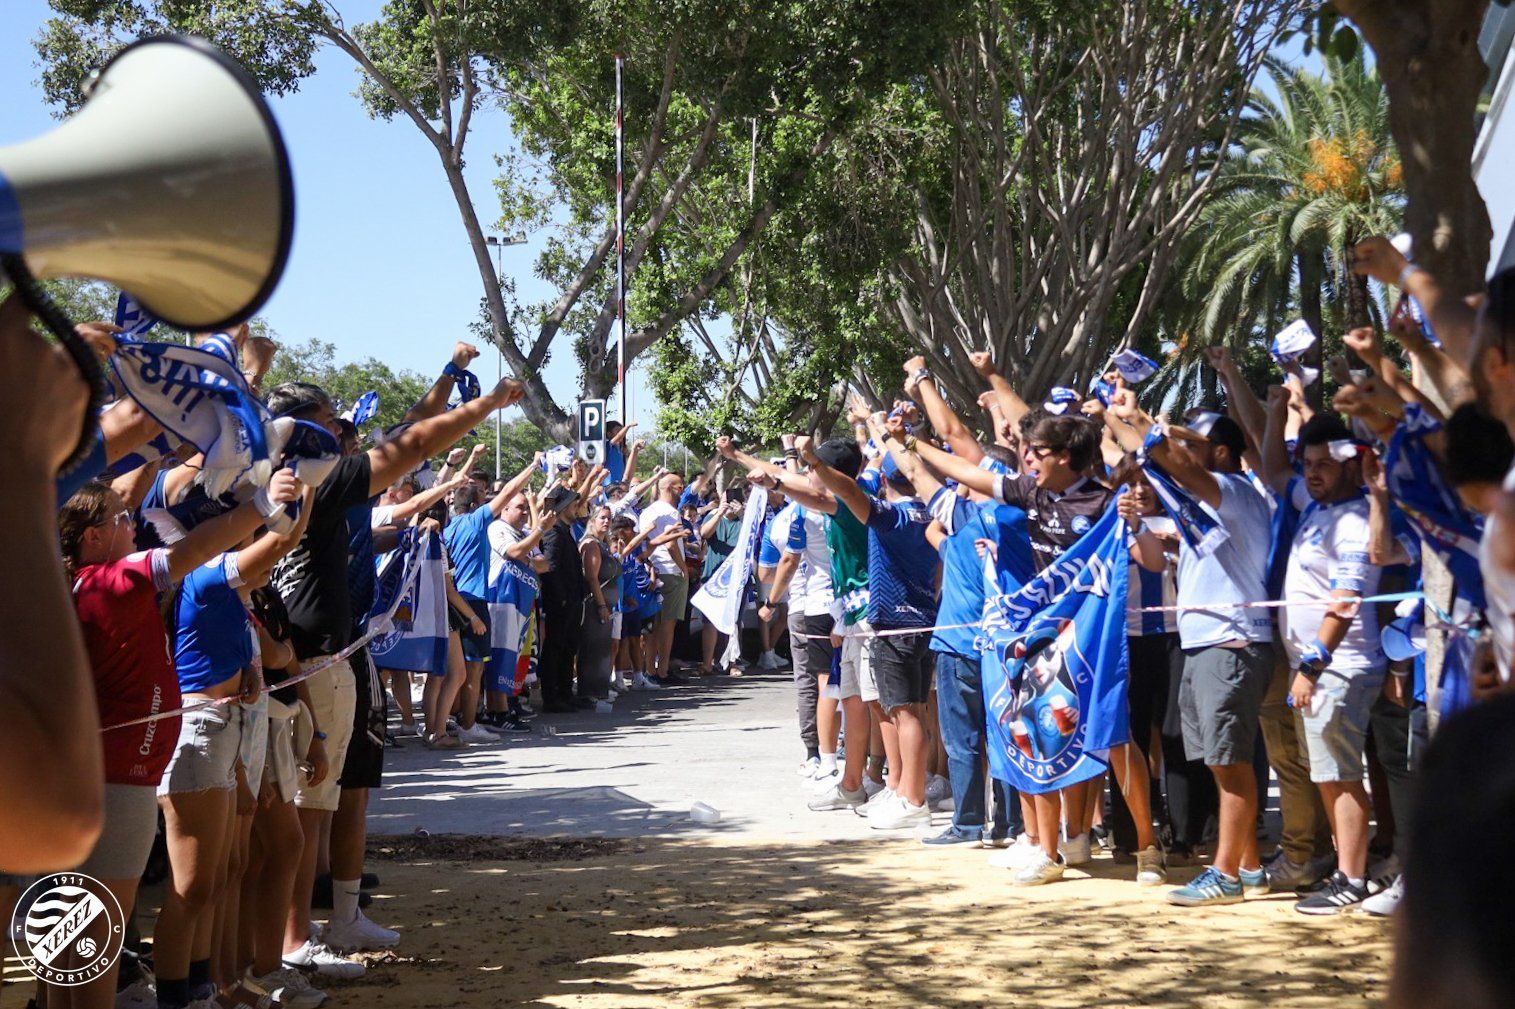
(682, 923)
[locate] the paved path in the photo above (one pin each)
(732, 743)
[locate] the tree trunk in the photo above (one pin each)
(1312, 274)
(1427, 53)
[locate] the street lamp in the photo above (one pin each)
(499, 243)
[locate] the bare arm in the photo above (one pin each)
(916, 471)
(223, 532)
(956, 468)
(844, 487)
(513, 486)
(944, 420)
(1011, 405)
(425, 438)
(1384, 547)
(257, 560)
(126, 427)
(434, 403)
(1276, 470)
(407, 510)
(1451, 316)
(1187, 474)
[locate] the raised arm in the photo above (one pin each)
(1276, 470)
(418, 503)
(434, 403)
(425, 438)
(845, 488)
(514, 486)
(889, 433)
(1244, 407)
(1189, 475)
(1384, 547)
(223, 532)
(954, 467)
(258, 559)
(1012, 407)
(921, 387)
(1451, 316)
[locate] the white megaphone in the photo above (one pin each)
(171, 183)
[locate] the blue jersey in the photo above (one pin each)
(901, 565)
(212, 642)
(967, 577)
(467, 540)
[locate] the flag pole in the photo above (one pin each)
(620, 236)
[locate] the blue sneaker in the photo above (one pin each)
(1254, 882)
(1209, 887)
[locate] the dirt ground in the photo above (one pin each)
(623, 924)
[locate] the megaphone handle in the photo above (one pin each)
(42, 305)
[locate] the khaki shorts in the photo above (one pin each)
(857, 663)
(675, 597)
(1334, 727)
(333, 701)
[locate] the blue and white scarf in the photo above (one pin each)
(1134, 366)
(1197, 523)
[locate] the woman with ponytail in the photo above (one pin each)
(116, 595)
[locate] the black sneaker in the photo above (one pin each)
(1337, 895)
(513, 723)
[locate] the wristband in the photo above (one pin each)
(1404, 275)
(921, 375)
(452, 371)
(275, 516)
(1314, 660)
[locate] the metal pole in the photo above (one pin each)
(620, 236)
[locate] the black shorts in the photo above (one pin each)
(818, 643)
(902, 669)
(476, 646)
(364, 766)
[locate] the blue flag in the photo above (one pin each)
(511, 593)
(133, 319)
(1055, 666)
(1199, 526)
(418, 640)
(364, 410)
(1061, 399)
(1134, 366)
(1419, 488)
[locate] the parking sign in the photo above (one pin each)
(592, 431)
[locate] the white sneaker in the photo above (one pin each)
(939, 794)
(824, 781)
(1385, 901)
(477, 733)
(810, 766)
(643, 682)
(872, 787)
(1075, 850)
(1014, 857)
(898, 814)
(1040, 869)
(359, 934)
(406, 730)
(287, 988)
(837, 798)
(884, 794)
(1149, 867)
(138, 995)
(321, 960)
(771, 660)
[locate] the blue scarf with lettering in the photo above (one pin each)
(1199, 526)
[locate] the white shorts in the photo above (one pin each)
(857, 663)
(615, 625)
(255, 741)
(333, 699)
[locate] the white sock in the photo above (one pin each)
(344, 899)
(828, 763)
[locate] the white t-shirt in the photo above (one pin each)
(660, 516)
(781, 533)
(1330, 551)
(1234, 572)
(808, 539)
(1499, 591)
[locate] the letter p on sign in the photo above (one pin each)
(592, 431)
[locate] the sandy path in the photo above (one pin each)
(686, 923)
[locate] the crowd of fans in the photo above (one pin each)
(238, 713)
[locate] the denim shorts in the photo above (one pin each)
(1335, 725)
(902, 669)
(206, 755)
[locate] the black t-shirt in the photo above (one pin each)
(1055, 521)
(563, 584)
(313, 578)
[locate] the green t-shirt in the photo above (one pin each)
(848, 540)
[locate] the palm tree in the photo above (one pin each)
(1313, 171)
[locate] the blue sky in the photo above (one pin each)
(381, 266)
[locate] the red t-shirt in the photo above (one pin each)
(129, 656)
